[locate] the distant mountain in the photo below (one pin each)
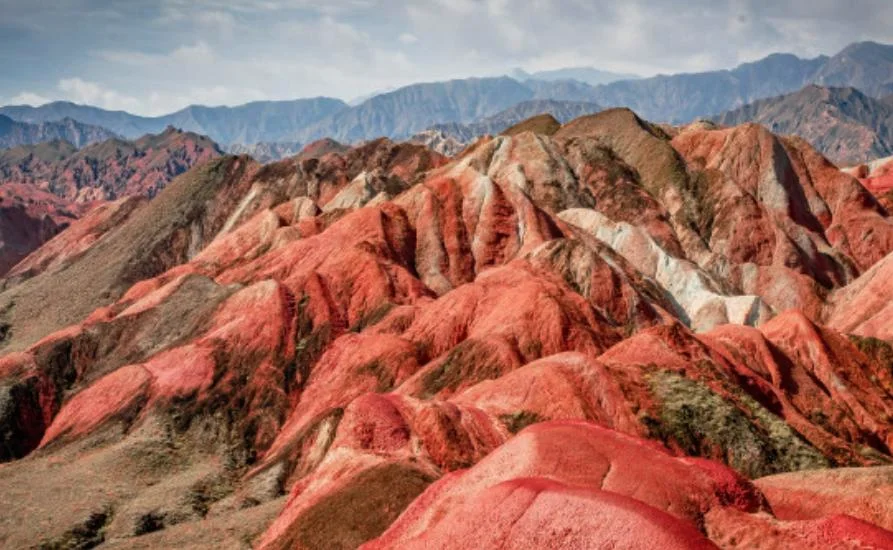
(261, 121)
(249, 123)
(684, 97)
(28, 218)
(844, 124)
(587, 75)
(107, 170)
(408, 110)
(119, 122)
(267, 151)
(867, 66)
(14, 133)
(449, 138)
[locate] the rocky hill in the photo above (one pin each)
(13, 133)
(843, 123)
(605, 335)
(107, 170)
(877, 177)
(28, 218)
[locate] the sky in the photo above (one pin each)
(152, 57)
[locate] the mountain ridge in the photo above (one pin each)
(846, 125)
(14, 133)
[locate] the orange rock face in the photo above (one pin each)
(597, 337)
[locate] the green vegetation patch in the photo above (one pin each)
(467, 364)
(517, 421)
(359, 511)
(750, 439)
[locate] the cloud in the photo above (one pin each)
(28, 98)
(408, 38)
(78, 90)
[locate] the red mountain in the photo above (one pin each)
(108, 170)
(598, 336)
(49, 185)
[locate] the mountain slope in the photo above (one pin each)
(249, 123)
(684, 97)
(866, 66)
(254, 122)
(413, 108)
(587, 75)
(596, 336)
(451, 138)
(843, 123)
(119, 122)
(14, 133)
(107, 170)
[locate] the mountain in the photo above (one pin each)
(13, 133)
(261, 121)
(877, 177)
(28, 218)
(451, 138)
(119, 122)
(587, 75)
(267, 151)
(867, 66)
(843, 123)
(403, 112)
(685, 97)
(604, 335)
(107, 170)
(413, 108)
(249, 123)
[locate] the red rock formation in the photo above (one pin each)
(578, 339)
(111, 169)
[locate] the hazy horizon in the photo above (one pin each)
(151, 57)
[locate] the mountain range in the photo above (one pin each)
(249, 123)
(601, 334)
(13, 133)
(401, 113)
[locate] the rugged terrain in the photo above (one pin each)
(47, 186)
(844, 124)
(30, 217)
(877, 177)
(13, 133)
(601, 334)
(451, 138)
(108, 170)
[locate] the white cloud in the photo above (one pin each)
(91, 93)
(28, 98)
(408, 38)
